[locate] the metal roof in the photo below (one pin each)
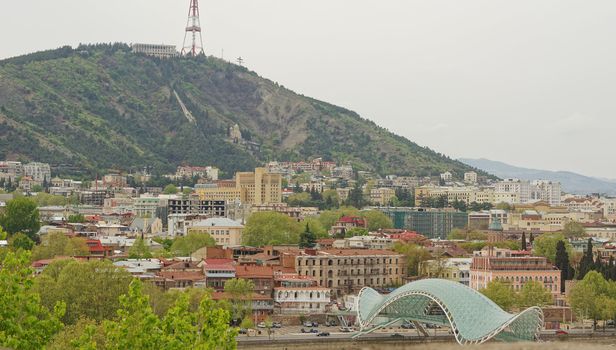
(472, 317)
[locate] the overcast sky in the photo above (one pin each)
(528, 82)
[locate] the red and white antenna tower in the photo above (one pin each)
(195, 46)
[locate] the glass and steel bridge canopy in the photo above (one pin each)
(472, 317)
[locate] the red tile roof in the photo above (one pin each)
(253, 271)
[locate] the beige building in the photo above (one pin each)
(346, 271)
(258, 187)
(470, 177)
(226, 232)
(261, 187)
(382, 196)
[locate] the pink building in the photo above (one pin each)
(513, 268)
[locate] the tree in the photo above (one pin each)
(533, 293)
(307, 239)
(76, 219)
(170, 189)
(574, 229)
(185, 246)
(356, 196)
(315, 227)
(329, 217)
(25, 323)
(377, 220)
(247, 323)
(500, 293)
(21, 215)
(240, 294)
(545, 245)
(355, 231)
(89, 289)
(523, 240)
(58, 244)
(562, 263)
(266, 228)
(139, 250)
(137, 327)
(21, 241)
(585, 296)
(414, 255)
(587, 263)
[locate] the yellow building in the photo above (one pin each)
(382, 196)
(258, 187)
(226, 232)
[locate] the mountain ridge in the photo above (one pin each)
(571, 182)
(103, 107)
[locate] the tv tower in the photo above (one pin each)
(193, 26)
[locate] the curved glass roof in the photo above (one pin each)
(472, 317)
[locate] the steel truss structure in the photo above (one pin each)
(472, 317)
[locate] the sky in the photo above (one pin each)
(530, 83)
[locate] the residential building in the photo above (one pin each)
(346, 223)
(295, 294)
(346, 271)
(261, 187)
(470, 177)
(454, 269)
(261, 276)
(513, 268)
(180, 275)
(155, 50)
(217, 272)
(432, 223)
(196, 206)
(225, 232)
(520, 188)
(548, 191)
(261, 305)
(189, 172)
(446, 176)
(39, 172)
(11, 170)
(382, 196)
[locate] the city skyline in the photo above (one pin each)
(526, 83)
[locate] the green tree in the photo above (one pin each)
(240, 295)
(76, 219)
(170, 189)
(414, 255)
(355, 231)
(21, 241)
(587, 263)
(467, 235)
(523, 240)
(585, 296)
(307, 239)
(562, 263)
(501, 294)
(265, 228)
(137, 326)
(21, 215)
(89, 289)
(185, 246)
(58, 244)
(315, 227)
(545, 245)
(247, 323)
(25, 323)
(377, 220)
(139, 250)
(574, 229)
(299, 199)
(533, 293)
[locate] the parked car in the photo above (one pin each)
(407, 325)
(307, 323)
(346, 329)
(610, 323)
(276, 325)
(243, 331)
(430, 325)
(323, 334)
(561, 332)
(396, 335)
(261, 325)
(330, 324)
(315, 324)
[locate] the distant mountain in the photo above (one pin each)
(571, 182)
(101, 106)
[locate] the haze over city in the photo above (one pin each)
(528, 83)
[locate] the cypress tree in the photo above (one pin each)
(524, 241)
(531, 239)
(587, 263)
(562, 263)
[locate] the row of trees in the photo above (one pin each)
(94, 305)
(266, 228)
(532, 294)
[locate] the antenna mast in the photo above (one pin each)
(194, 46)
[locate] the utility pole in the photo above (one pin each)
(240, 61)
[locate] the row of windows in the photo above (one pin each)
(347, 261)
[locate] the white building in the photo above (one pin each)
(446, 176)
(470, 177)
(521, 188)
(156, 50)
(39, 172)
(548, 191)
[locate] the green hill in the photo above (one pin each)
(100, 106)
